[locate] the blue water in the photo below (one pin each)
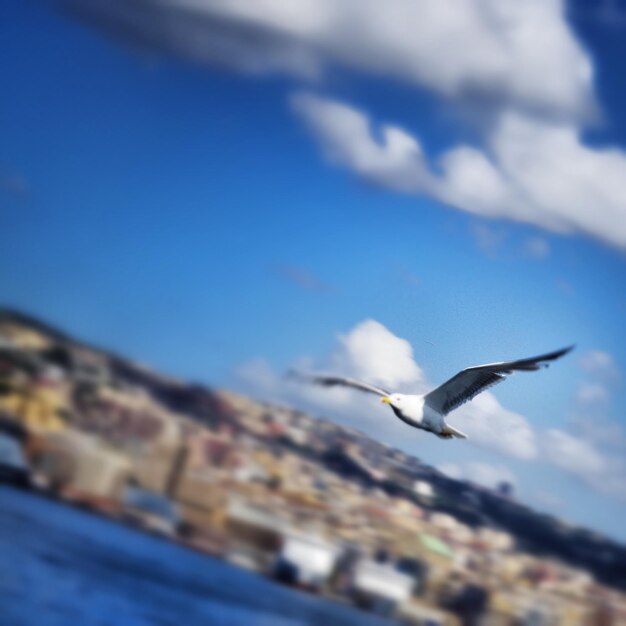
(64, 567)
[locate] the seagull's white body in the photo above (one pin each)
(415, 412)
(429, 411)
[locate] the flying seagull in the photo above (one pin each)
(429, 411)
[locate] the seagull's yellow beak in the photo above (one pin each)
(386, 400)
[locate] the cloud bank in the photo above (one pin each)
(530, 171)
(518, 62)
(521, 53)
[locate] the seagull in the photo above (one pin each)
(429, 411)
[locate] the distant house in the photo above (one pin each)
(255, 534)
(380, 586)
(305, 560)
(424, 491)
(90, 368)
(81, 463)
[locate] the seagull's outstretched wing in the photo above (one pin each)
(474, 380)
(339, 381)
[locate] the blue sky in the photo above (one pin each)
(222, 223)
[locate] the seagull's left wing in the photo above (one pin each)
(334, 381)
(471, 381)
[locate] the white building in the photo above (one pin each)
(312, 557)
(381, 581)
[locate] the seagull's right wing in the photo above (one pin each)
(474, 380)
(339, 381)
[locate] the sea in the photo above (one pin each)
(61, 566)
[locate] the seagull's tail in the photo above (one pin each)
(451, 431)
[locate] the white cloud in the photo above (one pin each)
(598, 429)
(492, 426)
(479, 472)
(599, 363)
(573, 454)
(548, 177)
(488, 475)
(520, 52)
(518, 61)
(485, 474)
(531, 171)
(593, 450)
(495, 241)
(595, 465)
(592, 393)
(372, 352)
(394, 161)
(592, 414)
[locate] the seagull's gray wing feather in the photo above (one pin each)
(340, 381)
(471, 381)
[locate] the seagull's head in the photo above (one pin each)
(394, 399)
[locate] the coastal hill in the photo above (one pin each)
(346, 452)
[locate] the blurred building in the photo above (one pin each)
(305, 559)
(83, 464)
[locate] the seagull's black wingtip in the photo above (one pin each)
(558, 353)
(546, 359)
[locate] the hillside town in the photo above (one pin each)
(300, 499)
